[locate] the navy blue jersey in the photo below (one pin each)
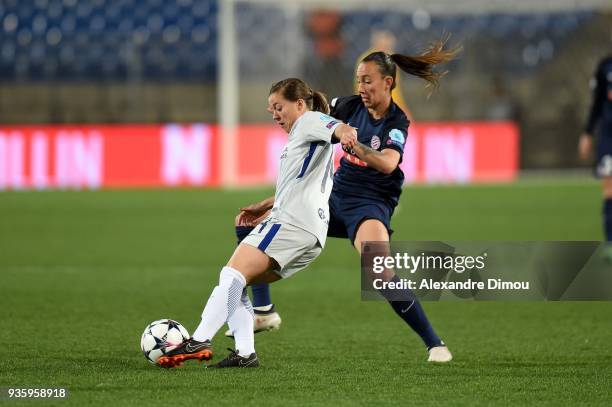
(354, 177)
(601, 110)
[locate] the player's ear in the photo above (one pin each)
(301, 105)
(388, 82)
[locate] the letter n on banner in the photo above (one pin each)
(186, 154)
(448, 154)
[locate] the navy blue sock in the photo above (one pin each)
(607, 219)
(261, 295)
(410, 310)
(242, 232)
(261, 292)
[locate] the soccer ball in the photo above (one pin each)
(162, 336)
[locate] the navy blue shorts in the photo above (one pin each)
(346, 213)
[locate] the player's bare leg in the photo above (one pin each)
(266, 318)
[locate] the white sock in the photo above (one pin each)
(222, 303)
(264, 308)
(241, 324)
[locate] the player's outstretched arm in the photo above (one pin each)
(385, 161)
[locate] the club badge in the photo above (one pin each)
(375, 142)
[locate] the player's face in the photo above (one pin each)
(284, 112)
(373, 87)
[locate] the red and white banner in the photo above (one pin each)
(434, 153)
(96, 156)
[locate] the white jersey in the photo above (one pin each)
(306, 175)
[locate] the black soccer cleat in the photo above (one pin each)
(235, 360)
(190, 349)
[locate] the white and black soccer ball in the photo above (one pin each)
(162, 336)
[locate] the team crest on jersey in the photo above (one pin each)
(375, 142)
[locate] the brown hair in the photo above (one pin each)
(420, 65)
(294, 89)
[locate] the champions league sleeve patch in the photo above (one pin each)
(327, 118)
(396, 137)
(332, 124)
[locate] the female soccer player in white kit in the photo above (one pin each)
(287, 240)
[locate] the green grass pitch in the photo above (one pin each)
(82, 274)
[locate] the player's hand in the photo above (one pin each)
(257, 208)
(253, 214)
(347, 135)
(585, 146)
(245, 218)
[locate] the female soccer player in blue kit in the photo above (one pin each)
(368, 183)
(601, 114)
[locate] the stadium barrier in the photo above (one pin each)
(124, 156)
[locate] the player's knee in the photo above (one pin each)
(372, 229)
(229, 274)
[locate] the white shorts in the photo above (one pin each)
(604, 166)
(292, 248)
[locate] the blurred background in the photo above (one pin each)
(69, 62)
